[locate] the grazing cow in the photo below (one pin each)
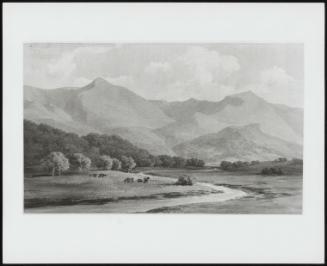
(139, 180)
(129, 180)
(146, 179)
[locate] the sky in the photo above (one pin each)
(173, 72)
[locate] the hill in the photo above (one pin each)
(238, 143)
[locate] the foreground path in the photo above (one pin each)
(137, 206)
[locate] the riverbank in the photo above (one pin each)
(69, 194)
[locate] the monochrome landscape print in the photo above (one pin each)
(163, 128)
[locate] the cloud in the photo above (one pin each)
(277, 86)
(155, 67)
(196, 73)
(169, 72)
(123, 80)
(276, 76)
(66, 64)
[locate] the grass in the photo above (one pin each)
(266, 194)
(83, 189)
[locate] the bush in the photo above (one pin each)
(184, 181)
(272, 171)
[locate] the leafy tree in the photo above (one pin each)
(127, 163)
(179, 162)
(55, 162)
(105, 162)
(166, 161)
(116, 164)
(157, 162)
(194, 162)
(226, 165)
(80, 162)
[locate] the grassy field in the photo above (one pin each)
(266, 194)
(82, 193)
(82, 189)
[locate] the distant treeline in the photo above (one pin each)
(41, 140)
(267, 167)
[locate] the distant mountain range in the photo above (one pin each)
(182, 128)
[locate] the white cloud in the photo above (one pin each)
(123, 80)
(171, 72)
(277, 86)
(81, 82)
(65, 65)
(196, 73)
(155, 67)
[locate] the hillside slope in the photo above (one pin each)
(238, 143)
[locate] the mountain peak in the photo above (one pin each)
(248, 93)
(99, 80)
(248, 96)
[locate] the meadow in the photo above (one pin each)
(82, 189)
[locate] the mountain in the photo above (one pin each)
(157, 126)
(238, 143)
(143, 138)
(98, 107)
(194, 118)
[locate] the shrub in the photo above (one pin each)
(184, 181)
(272, 171)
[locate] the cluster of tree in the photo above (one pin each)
(281, 160)
(57, 162)
(40, 140)
(93, 150)
(227, 165)
(297, 161)
(177, 162)
(272, 171)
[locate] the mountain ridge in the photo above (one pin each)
(155, 125)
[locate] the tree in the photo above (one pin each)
(226, 165)
(194, 162)
(80, 162)
(127, 163)
(56, 162)
(105, 162)
(166, 161)
(179, 162)
(116, 164)
(281, 160)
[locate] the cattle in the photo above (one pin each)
(129, 180)
(146, 179)
(139, 180)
